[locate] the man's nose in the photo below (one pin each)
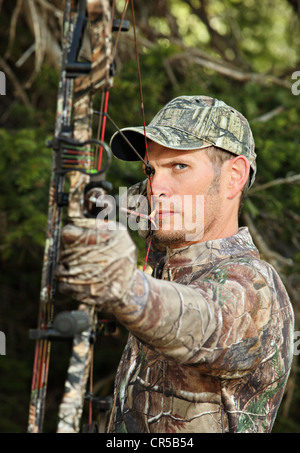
(160, 185)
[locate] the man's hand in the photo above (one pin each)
(98, 263)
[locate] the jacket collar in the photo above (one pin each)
(205, 252)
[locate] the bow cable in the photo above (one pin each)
(149, 169)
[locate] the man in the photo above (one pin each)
(210, 344)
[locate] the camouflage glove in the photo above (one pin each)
(98, 264)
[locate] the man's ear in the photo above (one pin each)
(238, 173)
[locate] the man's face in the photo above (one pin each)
(185, 196)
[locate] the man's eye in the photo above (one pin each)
(180, 166)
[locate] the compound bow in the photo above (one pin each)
(87, 67)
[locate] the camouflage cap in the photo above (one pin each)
(190, 122)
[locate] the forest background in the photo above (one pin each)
(244, 52)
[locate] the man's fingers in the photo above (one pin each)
(102, 232)
(73, 235)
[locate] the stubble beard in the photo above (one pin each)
(169, 238)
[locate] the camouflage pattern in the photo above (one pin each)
(98, 263)
(70, 409)
(210, 348)
(190, 122)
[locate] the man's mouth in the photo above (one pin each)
(164, 214)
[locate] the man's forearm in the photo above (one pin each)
(175, 319)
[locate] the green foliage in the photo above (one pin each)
(13, 400)
(125, 106)
(261, 35)
(25, 166)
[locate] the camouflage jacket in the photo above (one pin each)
(210, 347)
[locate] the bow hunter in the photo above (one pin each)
(211, 330)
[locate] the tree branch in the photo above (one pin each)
(275, 259)
(261, 79)
(276, 182)
(269, 115)
(13, 26)
(196, 56)
(19, 91)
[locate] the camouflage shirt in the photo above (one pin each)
(210, 347)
